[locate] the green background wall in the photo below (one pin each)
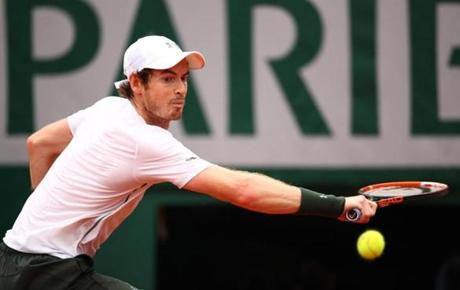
(330, 95)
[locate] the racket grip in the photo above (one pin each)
(353, 214)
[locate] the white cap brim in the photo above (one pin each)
(195, 60)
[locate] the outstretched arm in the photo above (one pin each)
(44, 146)
(264, 194)
(252, 191)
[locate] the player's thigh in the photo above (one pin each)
(103, 282)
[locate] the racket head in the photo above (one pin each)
(404, 190)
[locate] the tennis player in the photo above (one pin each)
(90, 170)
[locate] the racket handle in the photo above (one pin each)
(353, 214)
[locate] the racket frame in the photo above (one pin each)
(435, 189)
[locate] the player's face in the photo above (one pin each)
(164, 95)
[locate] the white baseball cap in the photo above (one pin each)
(157, 52)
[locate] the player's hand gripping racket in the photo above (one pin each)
(388, 193)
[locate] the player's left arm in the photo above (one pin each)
(44, 146)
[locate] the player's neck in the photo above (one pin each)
(149, 118)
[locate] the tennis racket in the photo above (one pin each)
(389, 193)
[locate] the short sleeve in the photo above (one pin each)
(75, 120)
(165, 159)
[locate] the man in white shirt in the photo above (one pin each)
(91, 169)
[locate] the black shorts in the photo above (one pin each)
(20, 271)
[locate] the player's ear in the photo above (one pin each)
(136, 84)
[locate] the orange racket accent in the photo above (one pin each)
(389, 201)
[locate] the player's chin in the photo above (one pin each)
(176, 115)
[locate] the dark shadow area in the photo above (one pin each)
(223, 247)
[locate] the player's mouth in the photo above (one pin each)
(178, 102)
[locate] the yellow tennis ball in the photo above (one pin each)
(370, 244)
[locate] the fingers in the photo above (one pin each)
(369, 208)
(365, 207)
(374, 206)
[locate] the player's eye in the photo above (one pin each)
(169, 79)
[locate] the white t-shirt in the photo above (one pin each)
(98, 180)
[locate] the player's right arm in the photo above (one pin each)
(261, 193)
(252, 191)
(44, 146)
